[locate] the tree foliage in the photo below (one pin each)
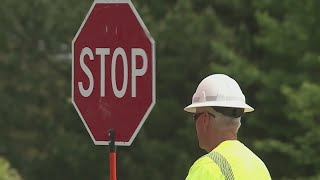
(270, 47)
(7, 172)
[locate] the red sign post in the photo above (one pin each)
(113, 72)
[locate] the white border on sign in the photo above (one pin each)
(118, 143)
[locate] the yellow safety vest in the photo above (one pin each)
(231, 160)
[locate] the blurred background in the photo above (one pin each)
(270, 47)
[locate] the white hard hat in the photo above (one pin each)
(218, 90)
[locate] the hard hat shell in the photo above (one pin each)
(218, 90)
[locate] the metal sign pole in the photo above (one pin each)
(112, 156)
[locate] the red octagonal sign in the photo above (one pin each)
(113, 71)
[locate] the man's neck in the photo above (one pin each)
(219, 139)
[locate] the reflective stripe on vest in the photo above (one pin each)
(223, 164)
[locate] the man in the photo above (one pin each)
(218, 105)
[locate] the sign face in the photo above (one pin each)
(113, 71)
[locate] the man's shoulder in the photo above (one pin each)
(242, 160)
(234, 149)
(204, 168)
(204, 160)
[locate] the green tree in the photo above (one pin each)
(40, 132)
(288, 41)
(7, 172)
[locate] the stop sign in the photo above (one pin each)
(113, 71)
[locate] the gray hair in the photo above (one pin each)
(224, 122)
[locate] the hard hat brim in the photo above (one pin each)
(235, 104)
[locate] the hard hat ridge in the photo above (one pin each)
(218, 90)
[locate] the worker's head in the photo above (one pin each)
(213, 126)
(218, 105)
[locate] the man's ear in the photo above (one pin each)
(206, 119)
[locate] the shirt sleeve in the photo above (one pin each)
(204, 169)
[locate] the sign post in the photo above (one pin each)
(112, 156)
(113, 74)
